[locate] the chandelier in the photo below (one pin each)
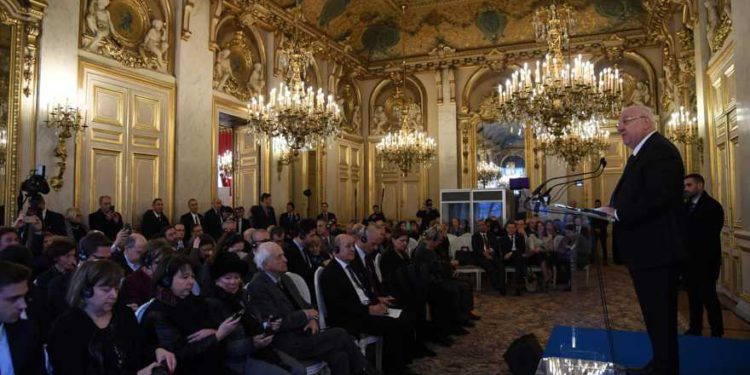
(681, 128)
(487, 172)
(407, 147)
(578, 141)
(304, 117)
(224, 162)
(558, 97)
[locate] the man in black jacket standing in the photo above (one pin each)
(263, 215)
(192, 217)
(154, 221)
(649, 231)
(106, 219)
(704, 222)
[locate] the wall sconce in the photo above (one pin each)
(681, 129)
(66, 120)
(285, 155)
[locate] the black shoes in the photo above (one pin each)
(473, 316)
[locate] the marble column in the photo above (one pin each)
(447, 139)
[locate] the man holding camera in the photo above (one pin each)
(106, 219)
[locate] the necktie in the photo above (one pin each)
(484, 241)
(513, 239)
(196, 221)
(354, 276)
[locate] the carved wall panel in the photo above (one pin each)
(135, 33)
(240, 59)
(127, 150)
(385, 113)
(349, 100)
(349, 189)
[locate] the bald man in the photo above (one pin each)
(648, 232)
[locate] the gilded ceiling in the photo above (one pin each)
(372, 27)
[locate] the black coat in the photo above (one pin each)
(296, 263)
(151, 226)
(98, 221)
(74, 334)
(344, 309)
(704, 226)
(168, 324)
(259, 218)
(54, 223)
(477, 245)
(289, 222)
(506, 245)
(214, 221)
(330, 217)
(187, 221)
(25, 348)
(651, 213)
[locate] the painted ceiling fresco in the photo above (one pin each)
(372, 27)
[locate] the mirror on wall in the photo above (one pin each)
(502, 144)
(5, 119)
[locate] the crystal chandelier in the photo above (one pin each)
(407, 147)
(580, 140)
(681, 128)
(487, 172)
(225, 162)
(557, 98)
(306, 118)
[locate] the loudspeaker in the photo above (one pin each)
(523, 355)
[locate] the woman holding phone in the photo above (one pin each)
(248, 349)
(98, 336)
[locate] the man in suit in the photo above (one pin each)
(427, 214)
(704, 223)
(241, 222)
(215, 217)
(376, 215)
(106, 219)
(290, 218)
(154, 221)
(20, 345)
(323, 230)
(599, 228)
(263, 215)
(297, 254)
(351, 306)
(649, 211)
(511, 250)
(192, 217)
(485, 246)
(329, 217)
(274, 294)
(52, 221)
(130, 258)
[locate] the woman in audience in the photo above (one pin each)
(318, 257)
(62, 252)
(182, 323)
(98, 336)
(394, 258)
(537, 249)
(248, 348)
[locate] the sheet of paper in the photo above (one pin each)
(393, 313)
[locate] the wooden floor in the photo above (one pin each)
(734, 326)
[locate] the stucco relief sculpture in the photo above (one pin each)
(379, 120)
(712, 22)
(357, 119)
(640, 95)
(222, 69)
(156, 43)
(98, 22)
(257, 81)
(347, 102)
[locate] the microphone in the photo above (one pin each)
(593, 174)
(538, 189)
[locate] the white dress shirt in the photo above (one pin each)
(355, 283)
(6, 361)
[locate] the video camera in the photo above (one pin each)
(32, 188)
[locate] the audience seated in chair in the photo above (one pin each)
(512, 249)
(485, 247)
(138, 287)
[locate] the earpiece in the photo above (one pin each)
(87, 292)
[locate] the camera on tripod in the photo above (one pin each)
(32, 189)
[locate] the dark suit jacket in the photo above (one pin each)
(245, 224)
(187, 221)
(651, 213)
(213, 222)
(506, 245)
(331, 217)
(98, 221)
(269, 299)
(343, 306)
(477, 245)
(151, 226)
(25, 348)
(296, 263)
(259, 218)
(704, 226)
(54, 223)
(289, 222)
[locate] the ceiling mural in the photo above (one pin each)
(371, 27)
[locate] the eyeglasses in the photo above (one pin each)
(627, 120)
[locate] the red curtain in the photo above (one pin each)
(225, 140)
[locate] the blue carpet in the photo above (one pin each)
(698, 355)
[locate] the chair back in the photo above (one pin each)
(464, 241)
(412, 246)
(142, 310)
(378, 273)
(319, 298)
(452, 244)
(301, 286)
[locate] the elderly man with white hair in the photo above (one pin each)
(648, 232)
(274, 295)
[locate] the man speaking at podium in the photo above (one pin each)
(649, 229)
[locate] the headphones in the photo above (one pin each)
(363, 236)
(165, 278)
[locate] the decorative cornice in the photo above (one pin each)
(31, 12)
(658, 12)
